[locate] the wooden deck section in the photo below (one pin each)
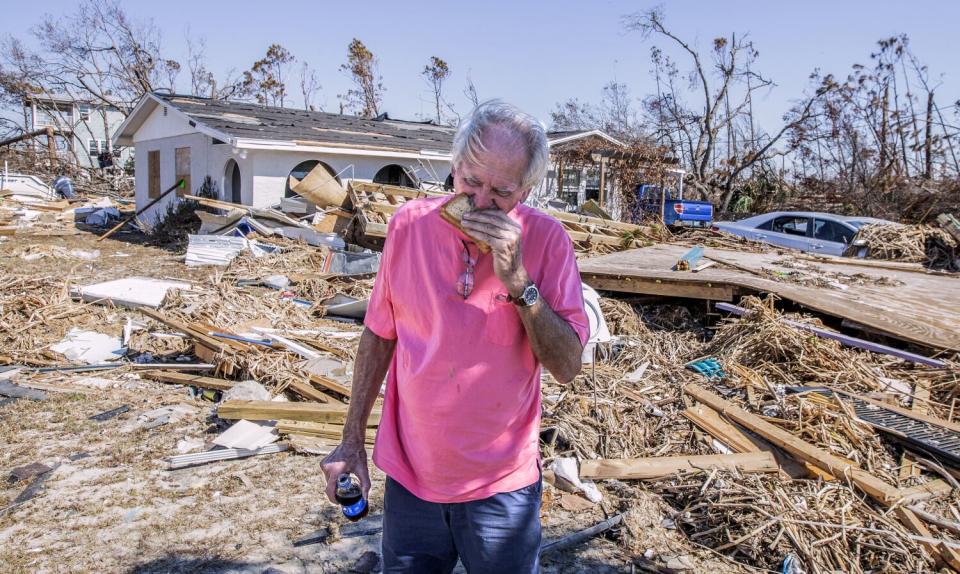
(924, 310)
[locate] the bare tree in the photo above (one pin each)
(367, 92)
(435, 73)
(100, 55)
(574, 115)
(309, 86)
(470, 91)
(169, 70)
(201, 79)
(614, 115)
(619, 116)
(730, 64)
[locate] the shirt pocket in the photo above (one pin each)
(503, 326)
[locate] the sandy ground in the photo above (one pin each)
(110, 505)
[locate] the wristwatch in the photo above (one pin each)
(528, 297)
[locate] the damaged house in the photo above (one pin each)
(253, 154)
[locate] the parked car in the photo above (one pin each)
(807, 231)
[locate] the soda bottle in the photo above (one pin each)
(350, 497)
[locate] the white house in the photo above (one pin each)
(85, 128)
(250, 151)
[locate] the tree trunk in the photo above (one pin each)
(928, 140)
(883, 136)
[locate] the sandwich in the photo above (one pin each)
(452, 212)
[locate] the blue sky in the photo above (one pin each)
(538, 53)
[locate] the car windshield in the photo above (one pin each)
(856, 223)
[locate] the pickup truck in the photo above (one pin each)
(654, 201)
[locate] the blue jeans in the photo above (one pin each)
(497, 534)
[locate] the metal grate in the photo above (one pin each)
(925, 436)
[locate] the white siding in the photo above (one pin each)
(199, 145)
(158, 126)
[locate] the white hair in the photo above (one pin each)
(530, 133)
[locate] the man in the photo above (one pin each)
(464, 334)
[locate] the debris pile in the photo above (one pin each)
(932, 246)
(697, 437)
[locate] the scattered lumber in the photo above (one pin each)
(736, 440)
(659, 467)
(324, 430)
(208, 348)
(272, 410)
(191, 380)
(876, 488)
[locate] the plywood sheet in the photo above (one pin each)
(922, 308)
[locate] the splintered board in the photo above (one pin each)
(374, 205)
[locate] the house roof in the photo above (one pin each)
(243, 124)
(562, 137)
(240, 122)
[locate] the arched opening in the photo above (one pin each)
(231, 182)
(448, 183)
(301, 170)
(394, 174)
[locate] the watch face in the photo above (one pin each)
(530, 295)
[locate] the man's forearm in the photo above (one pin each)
(370, 367)
(554, 342)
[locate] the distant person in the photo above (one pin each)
(461, 336)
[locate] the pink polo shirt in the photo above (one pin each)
(461, 414)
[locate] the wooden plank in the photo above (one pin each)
(659, 467)
(934, 489)
(873, 263)
(879, 490)
(330, 384)
(719, 428)
(307, 391)
(182, 165)
(331, 412)
(176, 378)
(940, 552)
(409, 193)
(208, 341)
(711, 422)
(580, 237)
(153, 174)
(596, 221)
(325, 430)
(664, 287)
